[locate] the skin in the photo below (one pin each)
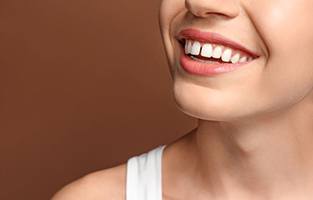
(254, 140)
(254, 134)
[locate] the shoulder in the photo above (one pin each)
(105, 184)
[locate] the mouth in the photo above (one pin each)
(207, 53)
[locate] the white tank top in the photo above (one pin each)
(144, 177)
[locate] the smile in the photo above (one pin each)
(206, 53)
(203, 51)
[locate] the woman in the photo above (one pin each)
(244, 69)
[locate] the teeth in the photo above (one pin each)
(188, 46)
(226, 56)
(217, 52)
(235, 58)
(243, 59)
(195, 49)
(207, 50)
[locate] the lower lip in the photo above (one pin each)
(207, 69)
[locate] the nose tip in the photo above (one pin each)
(205, 8)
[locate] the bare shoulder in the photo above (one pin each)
(105, 184)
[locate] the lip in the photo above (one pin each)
(214, 38)
(206, 69)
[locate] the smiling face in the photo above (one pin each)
(280, 32)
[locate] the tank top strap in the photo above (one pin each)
(144, 178)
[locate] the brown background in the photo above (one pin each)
(84, 86)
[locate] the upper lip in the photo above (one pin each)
(215, 38)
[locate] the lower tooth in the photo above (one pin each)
(206, 61)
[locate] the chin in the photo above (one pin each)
(209, 112)
(214, 105)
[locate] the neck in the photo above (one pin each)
(265, 155)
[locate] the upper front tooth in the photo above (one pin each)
(195, 49)
(217, 52)
(226, 56)
(207, 50)
(188, 46)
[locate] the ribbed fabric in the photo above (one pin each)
(144, 179)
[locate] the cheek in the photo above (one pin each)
(169, 9)
(288, 32)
